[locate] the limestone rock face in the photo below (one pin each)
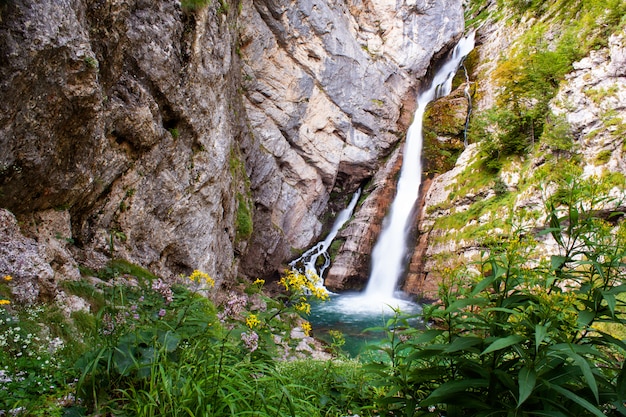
(22, 259)
(121, 114)
(329, 89)
(137, 129)
(591, 100)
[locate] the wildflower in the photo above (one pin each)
(260, 282)
(8, 277)
(108, 326)
(199, 277)
(250, 340)
(235, 305)
(162, 312)
(306, 328)
(338, 338)
(252, 321)
(320, 293)
(303, 307)
(4, 302)
(163, 289)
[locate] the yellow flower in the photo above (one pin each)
(303, 307)
(252, 321)
(8, 277)
(320, 293)
(306, 328)
(4, 302)
(199, 276)
(259, 281)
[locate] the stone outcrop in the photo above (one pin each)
(329, 89)
(592, 101)
(143, 130)
(122, 114)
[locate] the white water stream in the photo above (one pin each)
(389, 254)
(390, 251)
(309, 258)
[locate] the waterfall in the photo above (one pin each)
(309, 258)
(388, 256)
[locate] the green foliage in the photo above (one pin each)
(194, 4)
(244, 219)
(557, 135)
(244, 225)
(529, 75)
(513, 336)
(603, 157)
(34, 366)
(174, 132)
(338, 385)
(163, 350)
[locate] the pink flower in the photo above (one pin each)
(250, 340)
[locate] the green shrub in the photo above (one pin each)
(517, 336)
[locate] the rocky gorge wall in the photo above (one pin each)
(329, 92)
(153, 132)
(583, 135)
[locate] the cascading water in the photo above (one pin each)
(308, 260)
(388, 256)
(351, 313)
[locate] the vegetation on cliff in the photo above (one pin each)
(524, 330)
(516, 333)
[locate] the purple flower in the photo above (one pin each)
(162, 312)
(250, 340)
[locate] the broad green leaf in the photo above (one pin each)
(557, 261)
(464, 302)
(451, 388)
(503, 343)
(578, 400)
(587, 373)
(502, 310)
(426, 336)
(483, 284)
(555, 226)
(573, 218)
(610, 301)
(527, 381)
(462, 343)
(620, 387)
(497, 270)
(585, 317)
(540, 335)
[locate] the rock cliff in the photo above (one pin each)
(329, 89)
(214, 137)
(582, 137)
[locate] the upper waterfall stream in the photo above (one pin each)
(351, 313)
(389, 254)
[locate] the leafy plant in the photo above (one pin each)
(520, 337)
